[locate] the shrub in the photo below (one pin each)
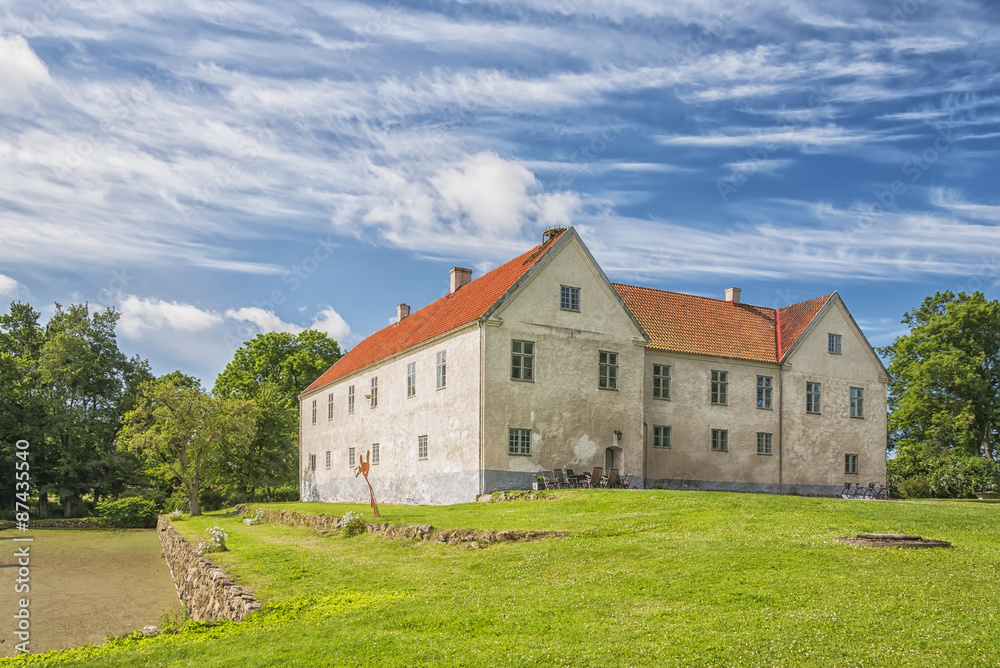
(128, 512)
(210, 499)
(286, 493)
(256, 518)
(175, 515)
(351, 524)
(915, 487)
(177, 501)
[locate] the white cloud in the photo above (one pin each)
(488, 191)
(331, 323)
(140, 315)
(10, 287)
(266, 321)
(20, 68)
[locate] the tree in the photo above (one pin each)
(944, 395)
(86, 383)
(271, 370)
(181, 431)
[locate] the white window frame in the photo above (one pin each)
(834, 344)
(661, 436)
(858, 402)
(814, 398)
(441, 370)
(765, 392)
(329, 406)
(350, 400)
(850, 464)
(518, 442)
(521, 361)
(373, 397)
(352, 457)
(374, 458)
(719, 390)
(422, 447)
(765, 443)
(327, 459)
(720, 440)
(312, 462)
(569, 298)
(411, 380)
(314, 412)
(607, 370)
(661, 382)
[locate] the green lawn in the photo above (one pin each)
(642, 578)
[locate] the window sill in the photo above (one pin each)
(612, 389)
(523, 380)
(662, 398)
(765, 454)
(765, 408)
(857, 417)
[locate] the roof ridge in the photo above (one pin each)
(688, 294)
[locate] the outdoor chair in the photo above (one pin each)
(572, 478)
(613, 480)
(550, 482)
(594, 479)
(628, 482)
(558, 479)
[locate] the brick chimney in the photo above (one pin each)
(733, 295)
(402, 311)
(460, 276)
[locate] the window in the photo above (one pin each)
(569, 298)
(442, 369)
(765, 385)
(813, 392)
(764, 442)
(373, 397)
(857, 402)
(661, 436)
(851, 464)
(607, 372)
(833, 344)
(314, 412)
(373, 457)
(327, 459)
(312, 462)
(720, 387)
(351, 458)
(411, 379)
(329, 406)
(421, 447)
(522, 360)
(720, 440)
(518, 441)
(350, 399)
(661, 382)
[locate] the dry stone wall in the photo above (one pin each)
(471, 537)
(203, 587)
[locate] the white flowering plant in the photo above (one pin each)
(351, 524)
(175, 515)
(217, 542)
(256, 518)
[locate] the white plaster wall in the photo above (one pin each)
(449, 418)
(571, 419)
(692, 417)
(815, 445)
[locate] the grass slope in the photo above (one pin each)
(644, 578)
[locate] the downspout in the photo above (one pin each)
(482, 413)
(781, 402)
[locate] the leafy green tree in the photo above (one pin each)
(271, 370)
(85, 381)
(181, 431)
(944, 395)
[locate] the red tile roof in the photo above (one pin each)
(690, 324)
(452, 311)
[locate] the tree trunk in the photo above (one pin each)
(193, 508)
(43, 505)
(67, 503)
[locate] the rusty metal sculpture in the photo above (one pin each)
(362, 469)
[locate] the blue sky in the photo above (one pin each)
(216, 168)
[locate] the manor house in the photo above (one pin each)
(543, 363)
